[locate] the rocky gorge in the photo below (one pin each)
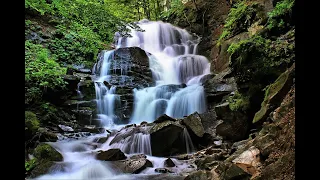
(216, 104)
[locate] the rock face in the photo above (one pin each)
(129, 69)
(234, 125)
(193, 122)
(111, 155)
(274, 93)
(163, 138)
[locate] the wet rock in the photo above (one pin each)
(102, 140)
(193, 122)
(133, 166)
(169, 163)
(92, 129)
(65, 128)
(42, 168)
(143, 123)
(111, 155)
(163, 118)
(163, 135)
(163, 170)
(45, 152)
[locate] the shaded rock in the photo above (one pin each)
(193, 122)
(199, 175)
(111, 155)
(133, 166)
(143, 123)
(169, 163)
(234, 125)
(235, 172)
(46, 152)
(163, 118)
(275, 93)
(163, 170)
(163, 135)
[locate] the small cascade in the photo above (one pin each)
(189, 145)
(136, 142)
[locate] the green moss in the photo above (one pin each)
(30, 164)
(280, 14)
(239, 19)
(238, 102)
(45, 151)
(31, 121)
(270, 92)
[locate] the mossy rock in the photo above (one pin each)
(274, 93)
(43, 167)
(31, 121)
(45, 151)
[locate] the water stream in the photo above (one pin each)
(177, 71)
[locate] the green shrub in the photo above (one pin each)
(239, 19)
(279, 17)
(41, 71)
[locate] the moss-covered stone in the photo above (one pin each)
(31, 121)
(46, 152)
(279, 88)
(43, 167)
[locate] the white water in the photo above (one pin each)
(188, 141)
(173, 61)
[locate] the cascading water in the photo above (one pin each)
(176, 68)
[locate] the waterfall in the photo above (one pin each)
(173, 61)
(189, 145)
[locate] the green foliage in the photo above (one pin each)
(41, 71)
(39, 5)
(238, 102)
(31, 121)
(240, 17)
(278, 17)
(176, 8)
(30, 164)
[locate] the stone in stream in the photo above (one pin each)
(169, 163)
(111, 155)
(163, 170)
(132, 165)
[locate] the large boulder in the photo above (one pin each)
(132, 165)
(193, 122)
(235, 124)
(47, 152)
(111, 155)
(163, 118)
(163, 136)
(275, 93)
